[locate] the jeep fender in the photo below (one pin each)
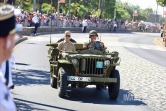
(67, 67)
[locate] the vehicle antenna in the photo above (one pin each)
(51, 29)
(100, 30)
(100, 36)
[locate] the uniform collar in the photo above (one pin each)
(66, 42)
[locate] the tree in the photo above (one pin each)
(78, 10)
(47, 8)
(25, 5)
(109, 7)
(146, 12)
(161, 2)
(125, 11)
(84, 8)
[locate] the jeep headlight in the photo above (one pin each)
(74, 61)
(106, 62)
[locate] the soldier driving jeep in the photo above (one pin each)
(93, 44)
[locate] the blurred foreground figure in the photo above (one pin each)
(7, 34)
(6, 68)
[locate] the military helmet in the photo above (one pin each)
(93, 32)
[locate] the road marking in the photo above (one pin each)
(144, 47)
(141, 46)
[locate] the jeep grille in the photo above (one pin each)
(90, 66)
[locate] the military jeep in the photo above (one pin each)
(82, 68)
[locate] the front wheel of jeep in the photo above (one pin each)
(113, 88)
(62, 82)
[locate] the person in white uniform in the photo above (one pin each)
(7, 34)
(84, 26)
(6, 71)
(35, 20)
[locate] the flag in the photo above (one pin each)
(135, 10)
(61, 1)
(165, 10)
(135, 13)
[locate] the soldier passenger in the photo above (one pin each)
(66, 45)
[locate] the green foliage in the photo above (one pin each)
(161, 2)
(78, 10)
(47, 8)
(125, 11)
(109, 6)
(82, 8)
(123, 14)
(25, 5)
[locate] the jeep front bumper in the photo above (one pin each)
(90, 79)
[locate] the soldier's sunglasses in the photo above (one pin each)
(67, 35)
(92, 35)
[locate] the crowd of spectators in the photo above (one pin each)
(46, 19)
(143, 26)
(92, 22)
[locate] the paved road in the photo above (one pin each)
(145, 79)
(149, 50)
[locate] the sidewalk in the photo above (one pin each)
(159, 41)
(19, 40)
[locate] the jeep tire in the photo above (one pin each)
(53, 82)
(113, 88)
(62, 82)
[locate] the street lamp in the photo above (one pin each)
(69, 7)
(101, 9)
(40, 5)
(34, 5)
(156, 14)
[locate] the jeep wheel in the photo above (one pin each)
(99, 87)
(62, 82)
(113, 88)
(53, 82)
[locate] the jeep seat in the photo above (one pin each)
(78, 46)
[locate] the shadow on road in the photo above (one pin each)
(84, 95)
(22, 64)
(25, 105)
(31, 43)
(28, 77)
(91, 95)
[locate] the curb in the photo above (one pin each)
(27, 31)
(20, 40)
(155, 41)
(72, 31)
(61, 32)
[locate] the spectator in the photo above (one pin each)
(35, 20)
(162, 32)
(84, 24)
